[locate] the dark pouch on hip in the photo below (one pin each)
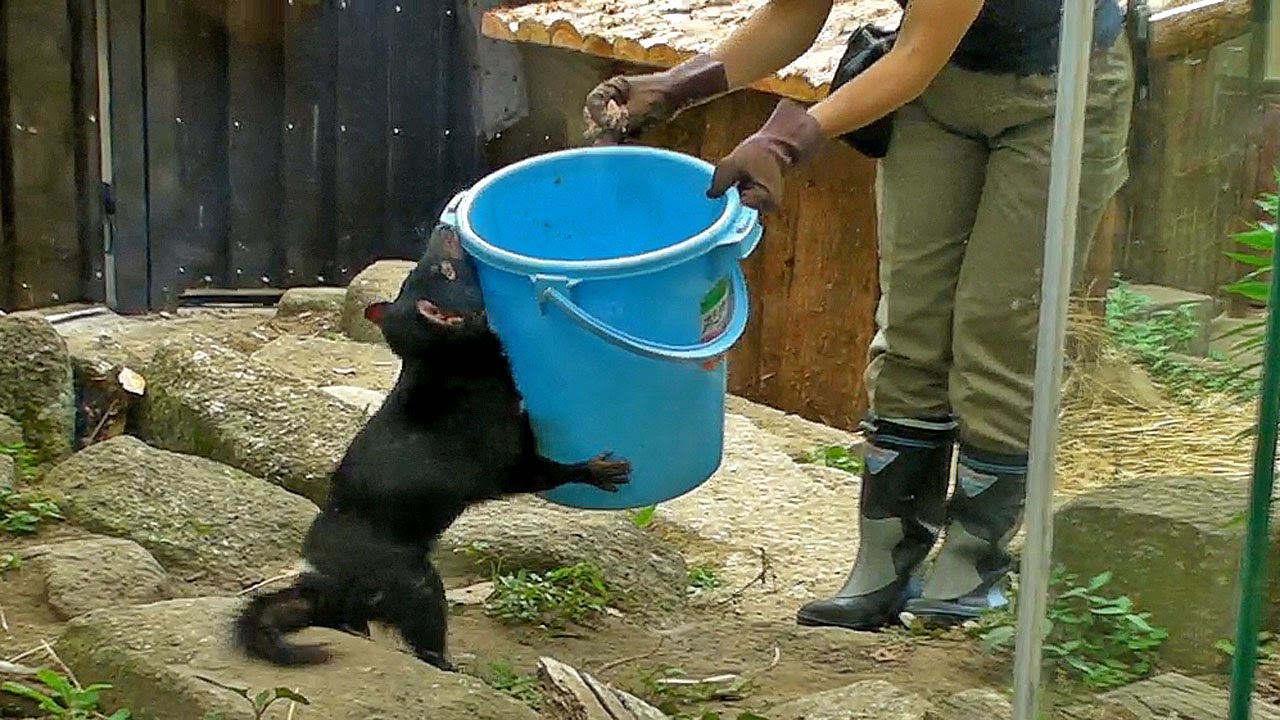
(868, 44)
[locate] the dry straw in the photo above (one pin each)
(1118, 424)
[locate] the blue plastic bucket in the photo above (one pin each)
(615, 286)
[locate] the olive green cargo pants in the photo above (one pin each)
(962, 197)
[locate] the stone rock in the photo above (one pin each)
(969, 704)
(201, 519)
(320, 361)
(367, 400)
(1173, 545)
(794, 435)
(84, 575)
(316, 304)
(155, 656)
(379, 281)
(535, 535)
(8, 473)
(859, 701)
(207, 400)
(1173, 696)
(10, 431)
(36, 387)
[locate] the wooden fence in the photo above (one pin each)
(250, 144)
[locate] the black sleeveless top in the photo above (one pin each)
(1021, 36)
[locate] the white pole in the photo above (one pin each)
(1075, 43)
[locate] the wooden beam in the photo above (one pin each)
(1197, 25)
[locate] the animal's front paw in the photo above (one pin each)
(608, 472)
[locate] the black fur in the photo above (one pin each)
(451, 433)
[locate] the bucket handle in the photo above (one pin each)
(695, 354)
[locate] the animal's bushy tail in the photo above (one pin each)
(262, 624)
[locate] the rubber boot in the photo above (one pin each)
(904, 487)
(984, 513)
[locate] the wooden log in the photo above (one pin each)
(575, 695)
(1196, 26)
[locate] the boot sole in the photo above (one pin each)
(806, 620)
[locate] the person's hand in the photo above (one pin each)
(758, 164)
(623, 106)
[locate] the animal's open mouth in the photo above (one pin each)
(430, 311)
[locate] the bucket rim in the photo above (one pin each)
(718, 232)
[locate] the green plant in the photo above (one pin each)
(571, 593)
(642, 517)
(22, 513)
(702, 578)
(1153, 339)
(24, 459)
(1101, 641)
(502, 677)
(1260, 238)
(9, 561)
(260, 702)
(834, 456)
(1268, 647)
(65, 699)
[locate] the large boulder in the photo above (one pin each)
(201, 519)
(97, 572)
(531, 534)
(796, 436)
(36, 387)
(208, 400)
(1173, 545)
(1170, 696)
(380, 281)
(8, 473)
(322, 362)
(157, 658)
(866, 699)
(319, 308)
(10, 431)
(982, 703)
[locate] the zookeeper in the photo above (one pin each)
(969, 87)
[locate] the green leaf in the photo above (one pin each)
(123, 714)
(1252, 260)
(284, 693)
(1249, 289)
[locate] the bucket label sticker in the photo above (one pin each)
(715, 310)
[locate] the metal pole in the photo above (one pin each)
(1075, 43)
(1254, 562)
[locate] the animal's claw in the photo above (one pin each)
(609, 472)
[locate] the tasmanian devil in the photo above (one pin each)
(451, 433)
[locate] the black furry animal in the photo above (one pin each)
(451, 433)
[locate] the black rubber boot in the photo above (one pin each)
(984, 513)
(904, 487)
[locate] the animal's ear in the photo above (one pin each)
(444, 243)
(375, 312)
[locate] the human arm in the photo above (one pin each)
(772, 37)
(928, 36)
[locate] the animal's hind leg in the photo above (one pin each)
(418, 610)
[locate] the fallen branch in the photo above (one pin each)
(762, 577)
(575, 695)
(632, 658)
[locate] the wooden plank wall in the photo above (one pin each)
(50, 221)
(293, 143)
(1191, 146)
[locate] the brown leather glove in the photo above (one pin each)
(790, 137)
(623, 106)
